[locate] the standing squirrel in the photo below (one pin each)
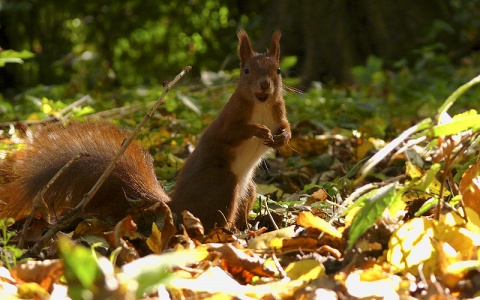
(215, 184)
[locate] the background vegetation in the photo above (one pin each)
(359, 74)
(409, 53)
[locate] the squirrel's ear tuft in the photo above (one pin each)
(244, 48)
(274, 50)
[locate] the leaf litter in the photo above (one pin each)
(400, 220)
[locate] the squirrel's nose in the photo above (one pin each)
(264, 84)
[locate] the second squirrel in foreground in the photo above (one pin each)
(215, 184)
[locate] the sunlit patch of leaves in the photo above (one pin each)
(358, 216)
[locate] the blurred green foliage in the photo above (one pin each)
(104, 44)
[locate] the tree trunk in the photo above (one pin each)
(331, 37)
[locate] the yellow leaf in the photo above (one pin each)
(424, 180)
(417, 242)
(413, 171)
(32, 290)
(362, 149)
(306, 270)
(47, 109)
(381, 284)
(448, 256)
(154, 241)
(263, 241)
(307, 220)
(276, 243)
(410, 245)
(470, 187)
(473, 223)
(351, 215)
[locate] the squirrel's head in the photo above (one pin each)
(260, 75)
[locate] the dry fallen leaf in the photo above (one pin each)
(244, 259)
(306, 270)
(296, 243)
(372, 283)
(470, 187)
(307, 220)
(263, 242)
(219, 235)
(193, 225)
(417, 242)
(124, 228)
(91, 227)
(45, 273)
(154, 241)
(167, 225)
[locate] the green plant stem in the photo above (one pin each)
(455, 95)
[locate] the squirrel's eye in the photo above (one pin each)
(279, 71)
(246, 70)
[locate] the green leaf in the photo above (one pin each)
(360, 202)
(288, 62)
(81, 269)
(12, 56)
(310, 186)
(372, 210)
(426, 206)
(459, 123)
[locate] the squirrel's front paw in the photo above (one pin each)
(280, 139)
(262, 132)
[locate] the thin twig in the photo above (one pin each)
(75, 104)
(55, 118)
(73, 214)
(121, 111)
(270, 214)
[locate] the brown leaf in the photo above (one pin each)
(254, 234)
(326, 250)
(219, 235)
(299, 243)
(45, 273)
(91, 227)
(168, 230)
(35, 231)
(318, 196)
(193, 225)
(124, 228)
(243, 259)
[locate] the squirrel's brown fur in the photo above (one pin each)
(53, 146)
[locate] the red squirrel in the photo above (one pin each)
(53, 146)
(215, 184)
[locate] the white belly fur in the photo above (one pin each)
(249, 154)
